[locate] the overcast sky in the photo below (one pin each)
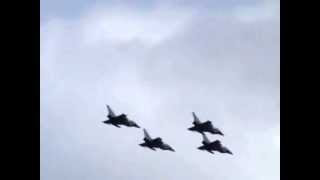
(158, 61)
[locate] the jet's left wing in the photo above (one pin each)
(116, 125)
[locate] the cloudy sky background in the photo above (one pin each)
(158, 61)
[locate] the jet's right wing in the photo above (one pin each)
(146, 134)
(195, 119)
(216, 143)
(208, 124)
(110, 112)
(158, 140)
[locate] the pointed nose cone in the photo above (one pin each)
(229, 152)
(170, 149)
(216, 131)
(220, 133)
(191, 129)
(137, 126)
(143, 145)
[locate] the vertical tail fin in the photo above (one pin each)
(110, 112)
(195, 118)
(205, 138)
(146, 134)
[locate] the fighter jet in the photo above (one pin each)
(204, 127)
(213, 146)
(119, 120)
(154, 143)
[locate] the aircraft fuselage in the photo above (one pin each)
(201, 128)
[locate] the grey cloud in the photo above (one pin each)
(223, 69)
(72, 9)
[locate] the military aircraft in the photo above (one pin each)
(204, 127)
(154, 143)
(119, 120)
(213, 146)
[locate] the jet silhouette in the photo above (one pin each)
(213, 146)
(119, 120)
(204, 127)
(154, 143)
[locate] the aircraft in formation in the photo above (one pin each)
(157, 143)
(207, 126)
(121, 119)
(213, 146)
(154, 143)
